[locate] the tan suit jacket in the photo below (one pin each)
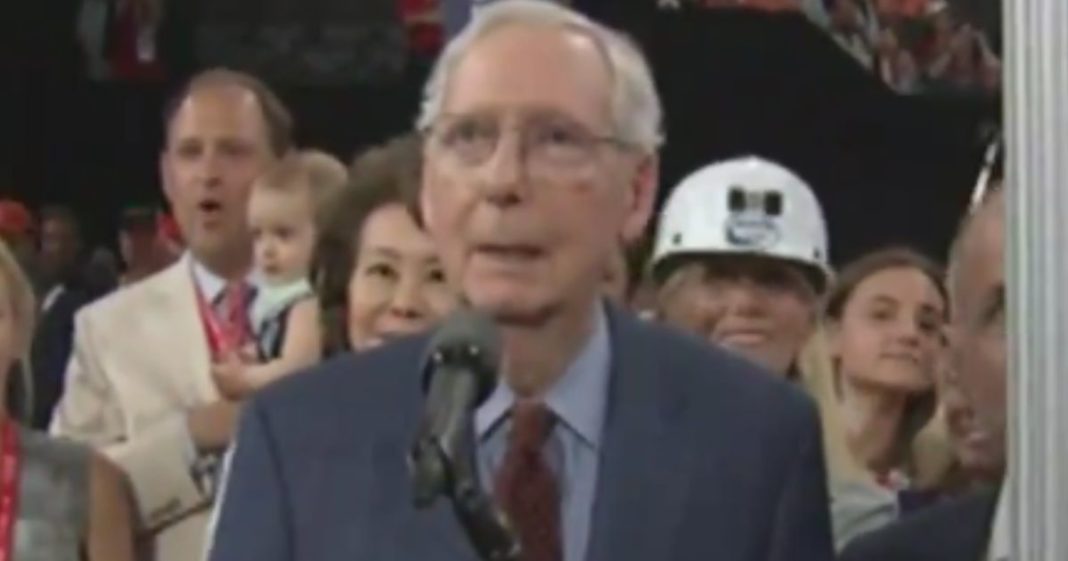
(140, 362)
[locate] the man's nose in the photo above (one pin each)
(209, 168)
(502, 177)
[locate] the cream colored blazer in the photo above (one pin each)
(140, 362)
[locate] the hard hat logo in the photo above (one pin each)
(752, 231)
(741, 200)
(751, 225)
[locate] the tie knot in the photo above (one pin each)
(532, 422)
(236, 294)
(239, 289)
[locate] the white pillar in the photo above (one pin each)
(1036, 103)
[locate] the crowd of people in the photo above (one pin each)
(914, 46)
(711, 387)
(918, 47)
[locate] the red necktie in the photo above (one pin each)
(234, 307)
(526, 486)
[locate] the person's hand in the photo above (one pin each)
(248, 354)
(212, 426)
(232, 377)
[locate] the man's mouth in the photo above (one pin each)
(210, 206)
(510, 252)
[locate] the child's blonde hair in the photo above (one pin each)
(324, 169)
(297, 174)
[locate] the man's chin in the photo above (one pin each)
(215, 245)
(513, 310)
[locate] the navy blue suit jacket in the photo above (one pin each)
(956, 530)
(704, 457)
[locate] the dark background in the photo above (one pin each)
(888, 168)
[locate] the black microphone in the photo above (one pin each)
(459, 373)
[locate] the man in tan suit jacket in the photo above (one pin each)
(140, 384)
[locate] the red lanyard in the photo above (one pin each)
(218, 339)
(9, 488)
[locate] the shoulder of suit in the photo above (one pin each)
(696, 362)
(132, 299)
(375, 379)
(966, 518)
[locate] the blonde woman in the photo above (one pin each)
(59, 501)
(741, 259)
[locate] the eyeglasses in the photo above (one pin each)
(548, 144)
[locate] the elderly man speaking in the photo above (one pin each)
(606, 438)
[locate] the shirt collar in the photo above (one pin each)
(577, 398)
(210, 284)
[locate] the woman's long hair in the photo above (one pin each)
(816, 372)
(922, 436)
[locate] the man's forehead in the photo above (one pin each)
(218, 106)
(538, 66)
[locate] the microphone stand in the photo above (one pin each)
(435, 472)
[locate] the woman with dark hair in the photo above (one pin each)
(376, 270)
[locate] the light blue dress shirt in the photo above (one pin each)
(573, 451)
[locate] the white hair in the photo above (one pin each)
(635, 105)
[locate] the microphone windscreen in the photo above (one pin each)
(469, 340)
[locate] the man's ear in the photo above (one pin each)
(641, 198)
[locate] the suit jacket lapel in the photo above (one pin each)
(645, 468)
(189, 348)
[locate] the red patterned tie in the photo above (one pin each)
(234, 307)
(526, 486)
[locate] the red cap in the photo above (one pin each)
(15, 219)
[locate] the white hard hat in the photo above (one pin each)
(745, 206)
